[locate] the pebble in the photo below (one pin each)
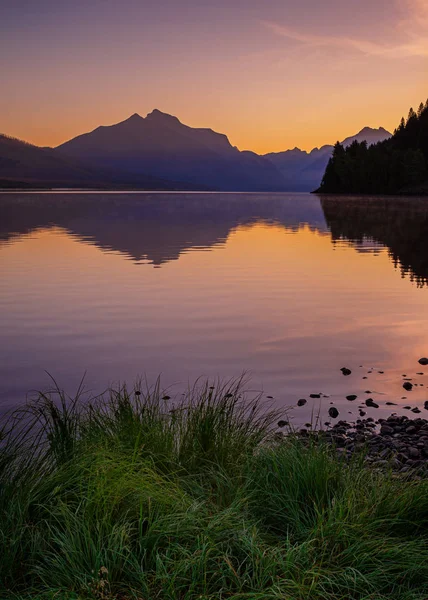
(400, 444)
(301, 402)
(370, 402)
(346, 371)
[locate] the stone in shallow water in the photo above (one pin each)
(408, 386)
(426, 405)
(282, 423)
(423, 361)
(301, 402)
(371, 403)
(346, 371)
(351, 397)
(314, 395)
(333, 412)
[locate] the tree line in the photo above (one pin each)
(397, 165)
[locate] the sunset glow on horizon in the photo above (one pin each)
(271, 75)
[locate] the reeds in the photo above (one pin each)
(138, 495)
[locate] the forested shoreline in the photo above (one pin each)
(396, 166)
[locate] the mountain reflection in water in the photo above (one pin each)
(289, 287)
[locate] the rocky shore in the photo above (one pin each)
(398, 442)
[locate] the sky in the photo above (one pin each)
(271, 74)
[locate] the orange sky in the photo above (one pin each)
(271, 75)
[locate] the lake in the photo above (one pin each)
(286, 287)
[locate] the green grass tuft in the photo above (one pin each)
(134, 495)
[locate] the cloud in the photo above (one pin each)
(411, 27)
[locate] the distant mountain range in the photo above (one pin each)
(303, 171)
(160, 152)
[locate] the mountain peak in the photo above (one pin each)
(134, 117)
(159, 116)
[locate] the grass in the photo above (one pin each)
(134, 495)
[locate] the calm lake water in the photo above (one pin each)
(287, 287)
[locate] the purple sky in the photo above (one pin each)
(272, 75)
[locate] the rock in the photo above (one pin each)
(390, 403)
(314, 395)
(362, 413)
(370, 403)
(367, 392)
(270, 397)
(407, 386)
(426, 405)
(416, 410)
(351, 397)
(282, 423)
(386, 430)
(413, 453)
(346, 371)
(333, 412)
(411, 430)
(423, 361)
(301, 402)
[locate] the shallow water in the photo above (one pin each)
(287, 287)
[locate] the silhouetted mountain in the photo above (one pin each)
(369, 135)
(398, 165)
(303, 170)
(161, 145)
(25, 165)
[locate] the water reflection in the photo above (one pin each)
(154, 228)
(400, 224)
(287, 287)
(158, 228)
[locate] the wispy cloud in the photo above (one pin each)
(411, 28)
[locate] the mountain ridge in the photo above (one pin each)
(158, 151)
(303, 170)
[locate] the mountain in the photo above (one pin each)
(26, 166)
(369, 135)
(161, 145)
(159, 152)
(398, 165)
(303, 171)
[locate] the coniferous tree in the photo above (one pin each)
(397, 165)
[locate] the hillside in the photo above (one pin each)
(161, 145)
(303, 171)
(23, 165)
(398, 165)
